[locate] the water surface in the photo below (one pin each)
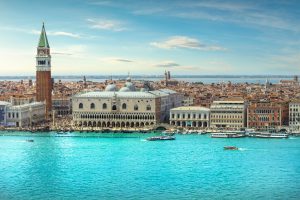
(115, 166)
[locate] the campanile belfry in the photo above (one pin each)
(43, 72)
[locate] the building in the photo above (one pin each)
(266, 115)
(61, 105)
(24, 115)
(294, 114)
(228, 114)
(124, 108)
(188, 100)
(3, 110)
(43, 72)
(190, 116)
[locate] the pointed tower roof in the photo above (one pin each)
(43, 42)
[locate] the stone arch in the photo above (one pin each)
(104, 106)
(136, 107)
(92, 106)
(194, 124)
(124, 106)
(114, 107)
(142, 124)
(122, 124)
(80, 106)
(148, 107)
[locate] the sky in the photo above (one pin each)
(186, 37)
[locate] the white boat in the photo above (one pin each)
(227, 135)
(270, 135)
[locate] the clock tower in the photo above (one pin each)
(43, 72)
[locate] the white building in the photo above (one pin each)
(294, 114)
(126, 108)
(22, 115)
(190, 116)
(228, 114)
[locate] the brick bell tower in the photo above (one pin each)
(43, 72)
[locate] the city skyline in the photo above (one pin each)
(96, 37)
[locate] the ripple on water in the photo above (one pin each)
(191, 167)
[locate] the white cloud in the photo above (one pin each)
(37, 32)
(186, 43)
(115, 60)
(167, 64)
(73, 50)
(105, 24)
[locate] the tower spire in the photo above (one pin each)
(43, 41)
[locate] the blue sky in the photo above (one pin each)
(103, 37)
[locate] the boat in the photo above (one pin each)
(170, 132)
(228, 135)
(30, 140)
(230, 148)
(161, 138)
(269, 135)
(201, 132)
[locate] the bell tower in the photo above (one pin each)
(43, 72)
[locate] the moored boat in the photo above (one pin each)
(161, 138)
(227, 135)
(269, 135)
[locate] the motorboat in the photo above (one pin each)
(269, 135)
(230, 148)
(228, 135)
(161, 138)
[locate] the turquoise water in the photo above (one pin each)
(115, 166)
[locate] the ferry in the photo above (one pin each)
(228, 135)
(269, 135)
(161, 138)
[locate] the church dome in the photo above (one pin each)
(130, 86)
(124, 89)
(111, 87)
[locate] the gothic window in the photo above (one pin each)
(80, 106)
(124, 106)
(104, 106)
(92, 106)
(148, 107)
(136, 107)
(114, 107)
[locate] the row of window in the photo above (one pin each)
(43, 62)
(13, 115)
(114, 107)
(227, 116)
(188, 116)
(137, 117)
(226, 121)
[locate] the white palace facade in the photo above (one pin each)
(126, 108)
